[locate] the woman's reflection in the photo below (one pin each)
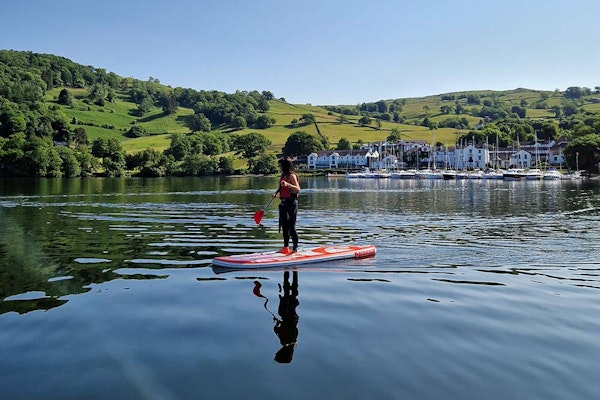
(285, 328)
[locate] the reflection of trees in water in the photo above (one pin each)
(25, 266)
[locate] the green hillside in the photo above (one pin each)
(119, 115)
(100, 116)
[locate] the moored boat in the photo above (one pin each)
(552, 175)
(533, 174)
(404, 174)
(514, 174)
(449, 174)
(492, 174)
(475, 175)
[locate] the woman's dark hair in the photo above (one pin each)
(286, 165)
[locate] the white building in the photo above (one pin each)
(522, 159)
(350, 159)
(403, 154)
(471, 157)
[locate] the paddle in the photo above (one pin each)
(258, 216)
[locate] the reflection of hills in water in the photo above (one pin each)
(55, 245)
(37, 272)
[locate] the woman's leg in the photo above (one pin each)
(292, 227)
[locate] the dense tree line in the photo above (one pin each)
(36, 138)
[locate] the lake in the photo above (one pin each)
(479, 290)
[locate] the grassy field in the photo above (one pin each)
(114, 119)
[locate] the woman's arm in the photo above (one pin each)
(294, 184)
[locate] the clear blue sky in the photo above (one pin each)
(321, 52)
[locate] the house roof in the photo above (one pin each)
(341, 153)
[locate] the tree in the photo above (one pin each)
(473, 99)
(394, 136)
(114, 158)
(199, 164)
(446, 109)
(99, 147)
(146, 157)
(264, 122)
(520, 111)
(264, 164)
(226, 165)
(70, 164)
(239, 123)
(556, 110)
(65, 97)
(209, 143)
(459, 108)
(267, 95)
(144, 106)
(12, 119)
(573, 93)
(307, 119)
(180, 146)
(199, 123)
(136, 131)
(87, 162)
(343, 144)
(98, 93)
(251, 144)
(80, 137)
(169, 104)
(301, 143)
(569, 108)
(586, 149)
(364, 120)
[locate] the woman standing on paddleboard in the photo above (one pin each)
(289, 187)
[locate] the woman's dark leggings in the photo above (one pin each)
(288, 210)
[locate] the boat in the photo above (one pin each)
(380, 174)
(475, 175)
(533, 174)
(462, 175)
(449, 174)
(404, 174)
(360, 174)
(573, 176)
(514, 174)
(552, 175)
(303, 256)
(429, 174)
(492, 174)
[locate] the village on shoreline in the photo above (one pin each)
(535, 160)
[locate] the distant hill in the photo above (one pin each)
(108, 105)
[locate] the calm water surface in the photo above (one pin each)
(480, 290)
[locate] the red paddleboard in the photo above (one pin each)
(303, 256)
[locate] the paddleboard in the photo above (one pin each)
(303, 256)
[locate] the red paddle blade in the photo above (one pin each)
(258, 216)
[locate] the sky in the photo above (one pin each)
(320, 52)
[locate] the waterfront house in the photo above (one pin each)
(472, 157)
(347, 159)
(522, 159)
